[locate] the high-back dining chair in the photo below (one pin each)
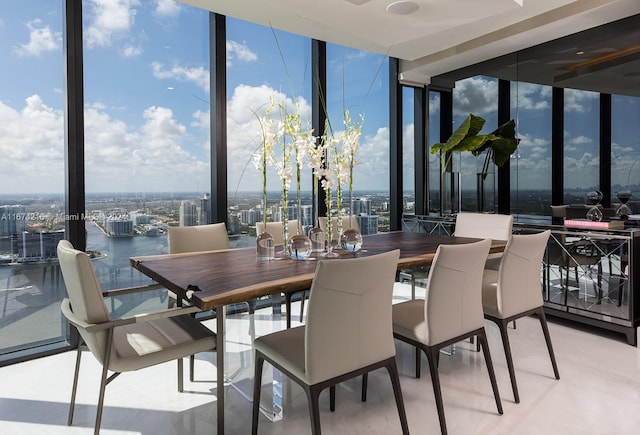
(485, 226)
(275, 229)
(348, 333)
(451, 312)
(125, 344)
(198, 238)
(347, 222)
(515, 290)
(211, 237)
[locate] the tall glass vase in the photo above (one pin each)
(299, 245)
(265, 246)
(316, 235)
(450, 200)
(485, 184)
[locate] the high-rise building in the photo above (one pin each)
(28, 247)
(205, 210)
(368, 224)
(250, 217)
(117, 227)
(361, 206)
(188, 214)
(13, 220)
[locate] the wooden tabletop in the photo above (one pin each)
(234, 275)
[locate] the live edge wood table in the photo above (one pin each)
(232, 276)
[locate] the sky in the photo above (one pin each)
(146, 74)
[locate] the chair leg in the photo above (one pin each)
(180, 375)
(482, 336)
(74, 389)
(313, 395)
(332, 398)
(192, 367)
(432, 353)
(103, 382)
(417, 362)
(502, 325)
(547, 338)
(365, 379)
(392, 368)
(257, 384)
(287, 302)
(302, 298)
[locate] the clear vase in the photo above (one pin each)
(318, 239)
(485, 184)
(265, 247)
(299, 247)
(450, 199)
(351, 240)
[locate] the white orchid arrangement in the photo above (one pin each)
(292, 140)
(333, 162)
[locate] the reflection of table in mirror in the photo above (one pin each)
(234, 276)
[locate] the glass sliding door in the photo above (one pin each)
(408, 152)
(31, 177)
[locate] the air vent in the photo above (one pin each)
(357, 2)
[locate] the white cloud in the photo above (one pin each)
(131, 51)
(580, 140)
(41, 39)
(476, 95)
(33, 138)
(239, 51)
(109, 18)
(167, 8)
(578, 101)
(196, 75)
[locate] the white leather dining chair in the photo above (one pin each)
(485, 226)
(347, 222)
(451, 312)
(275, 229)
(211, 237)
(125, 344)
(198, 238)
(515, 290)
(348, 333)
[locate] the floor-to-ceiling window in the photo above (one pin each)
(581, 145)
(269, 76)
(408, 153)
(625, 149)
(434, 159)
(31, 175)
(531, 163)
(147, 147)
(357, 82)
(477, 95)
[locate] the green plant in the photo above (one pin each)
(499, 144)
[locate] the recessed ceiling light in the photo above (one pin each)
(402, 8)
(579, 52)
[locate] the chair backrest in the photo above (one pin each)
(559, 210)
(275, 229)
(349, 316)
(453, 304)
(519, 285)
(484, 226)
(346, 223)
(211, 237)
(85, 294)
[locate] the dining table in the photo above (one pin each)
(211, 280)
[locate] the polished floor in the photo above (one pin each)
(598, 393)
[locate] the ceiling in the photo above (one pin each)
(444, 36)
